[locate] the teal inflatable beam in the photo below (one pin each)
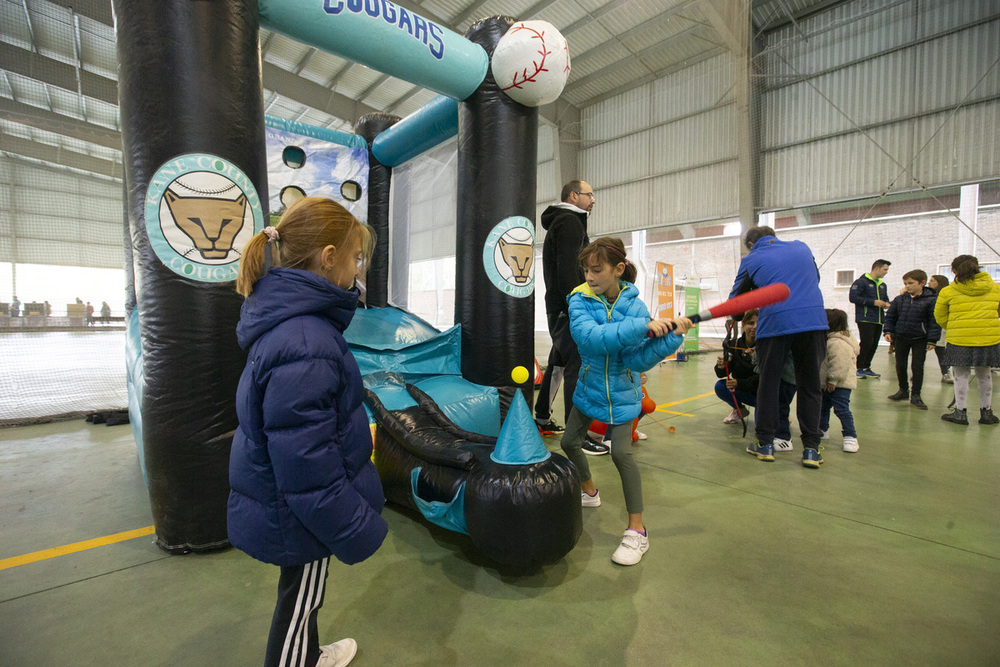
(385, 37)
(333, 136)
(423, 129)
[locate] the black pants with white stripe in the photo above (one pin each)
(294, 641)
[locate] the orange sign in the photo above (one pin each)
(663, 293)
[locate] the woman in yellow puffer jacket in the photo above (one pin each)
(969, 308)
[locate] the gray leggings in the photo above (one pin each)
(621, 453)
(984, 378)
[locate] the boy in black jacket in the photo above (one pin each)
(911, 327)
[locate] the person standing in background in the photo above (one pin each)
(795, 327)
(565, 226)
(938, 283)
(969, 308)
(870, 296)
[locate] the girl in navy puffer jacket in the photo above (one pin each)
(303, 486)
(617, 341)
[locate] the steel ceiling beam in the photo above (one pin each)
(96, 10)
(654, 24)
(638, 55)
(59, 156)
(318, 97)
(56, 123)
(659, 74)
(57, 73)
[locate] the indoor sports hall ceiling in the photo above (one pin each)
(59, 94)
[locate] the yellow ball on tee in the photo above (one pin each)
(519, 375)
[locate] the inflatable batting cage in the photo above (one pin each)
(206, 170)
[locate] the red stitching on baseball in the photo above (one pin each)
(539, 66)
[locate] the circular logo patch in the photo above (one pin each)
(509, 256)
(200, 212)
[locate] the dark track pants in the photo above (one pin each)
(906, 346)
(563, 354)
(807, 348)
(294, 640)
(868, 337)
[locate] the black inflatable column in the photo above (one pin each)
(379, 180)
(497, 147)
(189, 85)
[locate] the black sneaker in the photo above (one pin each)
(549, 427)
(594, 448)
(900, 395)
(917, 403)
(986, 416)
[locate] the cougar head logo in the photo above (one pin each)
(518, 256)
(211, 224)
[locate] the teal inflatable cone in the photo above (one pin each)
(519, 442)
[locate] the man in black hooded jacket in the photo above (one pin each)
(565, 226)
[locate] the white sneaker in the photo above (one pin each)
(337, 655)
(825, 436)
(588, 500)
(782, 445)
(634, 545)
(850, 444)
(641, 435)
(733, 418)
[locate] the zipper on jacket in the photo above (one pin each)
(607, 358)
(607, 366)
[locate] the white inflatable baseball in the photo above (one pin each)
(531, 63)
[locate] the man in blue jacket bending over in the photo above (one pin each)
(796, 326)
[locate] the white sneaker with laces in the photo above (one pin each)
(782, 445)
(733, 418)
(590, 500)
(629, 552)
(338, 654)
(850, 444)
(641, 435)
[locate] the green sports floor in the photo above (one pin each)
(890, 556)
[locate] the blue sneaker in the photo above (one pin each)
(762, 452)
(862, 374)
(871, 373)
(811, 458)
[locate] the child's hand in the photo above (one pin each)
(719, 362)
(888, 337)
(731, 384)
(830, 387)
(658, 328)
(682, 324)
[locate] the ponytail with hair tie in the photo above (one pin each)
(272, 239)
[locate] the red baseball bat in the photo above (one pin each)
(758, 298)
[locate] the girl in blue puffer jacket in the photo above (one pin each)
(303, 486)
(618, 341)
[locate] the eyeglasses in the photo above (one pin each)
(587, 194)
